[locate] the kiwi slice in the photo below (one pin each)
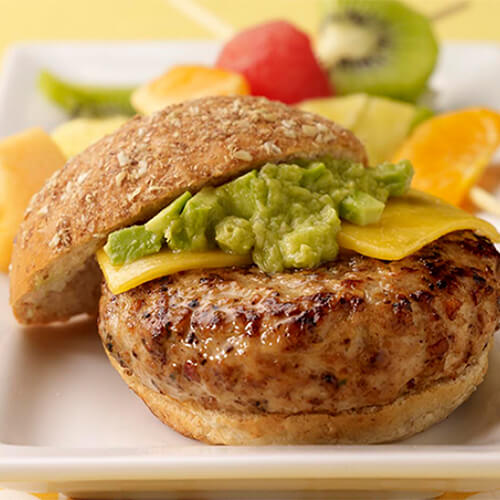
(85, 100)
(380, 47)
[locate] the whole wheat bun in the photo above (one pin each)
(130, 175)
(406, 416)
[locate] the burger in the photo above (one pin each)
(256, 282)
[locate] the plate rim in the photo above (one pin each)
(48, 463)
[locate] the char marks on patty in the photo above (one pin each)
(352, 333)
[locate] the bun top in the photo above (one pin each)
(130, 175)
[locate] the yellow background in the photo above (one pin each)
(157, 19)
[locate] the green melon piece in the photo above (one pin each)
(85, 100)
(381, 124)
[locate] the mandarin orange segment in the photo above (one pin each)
(181, 83)
(450, 152)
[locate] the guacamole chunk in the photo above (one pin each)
(285, 216)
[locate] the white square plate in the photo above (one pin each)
(68, 422)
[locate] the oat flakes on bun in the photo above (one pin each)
(243, 286)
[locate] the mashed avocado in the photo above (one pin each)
(286, 216)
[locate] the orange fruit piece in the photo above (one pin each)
(182, 83)
(450, 152)
(27, 159)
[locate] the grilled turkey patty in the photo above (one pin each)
(353, 333)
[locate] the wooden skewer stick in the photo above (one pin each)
(449, 10)
(221, 29)
(485, 201)
(204, 17)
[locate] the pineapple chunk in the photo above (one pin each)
(76, 135)
(26, 161)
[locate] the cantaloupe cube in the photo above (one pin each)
(26, 161)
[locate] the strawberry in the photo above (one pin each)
(278, 62)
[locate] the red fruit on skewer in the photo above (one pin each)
(278, 62)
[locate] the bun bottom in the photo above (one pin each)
(406, 416)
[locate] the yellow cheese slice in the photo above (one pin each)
(407, 224)
(123, 278)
